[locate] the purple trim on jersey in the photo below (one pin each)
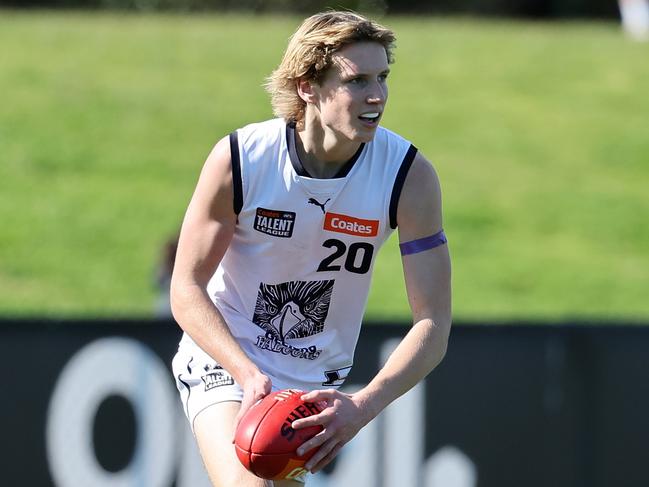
(421, 244)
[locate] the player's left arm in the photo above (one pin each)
(427, 271)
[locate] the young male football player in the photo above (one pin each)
(278, 243)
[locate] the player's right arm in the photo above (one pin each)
(205, 235)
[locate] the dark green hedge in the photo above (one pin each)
(510, 8)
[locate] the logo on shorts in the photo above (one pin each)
(289, 312)
(275, 222)
(217, 378)
(351, 225)
(336, 377)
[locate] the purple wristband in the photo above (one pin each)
(421, 244)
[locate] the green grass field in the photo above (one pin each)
(539, 132)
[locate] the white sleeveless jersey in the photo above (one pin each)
(294, 281)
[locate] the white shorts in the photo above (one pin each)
(202, 383)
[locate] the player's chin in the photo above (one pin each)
(365, 134)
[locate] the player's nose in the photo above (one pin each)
(377, 93)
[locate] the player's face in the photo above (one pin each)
(352, 95)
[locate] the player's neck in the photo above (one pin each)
(322, 154)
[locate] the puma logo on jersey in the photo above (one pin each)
(315, 202)
(275, 222)
(351, 225)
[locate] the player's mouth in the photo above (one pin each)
(370, 119)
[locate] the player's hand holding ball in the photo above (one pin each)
(342, 418)
(255, 388)
(265, 440)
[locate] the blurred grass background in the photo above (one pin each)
(539, 132)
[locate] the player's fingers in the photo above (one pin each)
(323, 418)
(316, 441)
(321, 459)
(325, 395)
(238, 418)
(306, 422)
(246, 403)
(249, 400)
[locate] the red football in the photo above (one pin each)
(266, 443)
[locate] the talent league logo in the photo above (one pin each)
(275, 222)
(217, 378)
(351, 225)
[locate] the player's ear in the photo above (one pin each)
(305, 90)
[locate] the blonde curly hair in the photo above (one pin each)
(309, 51)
